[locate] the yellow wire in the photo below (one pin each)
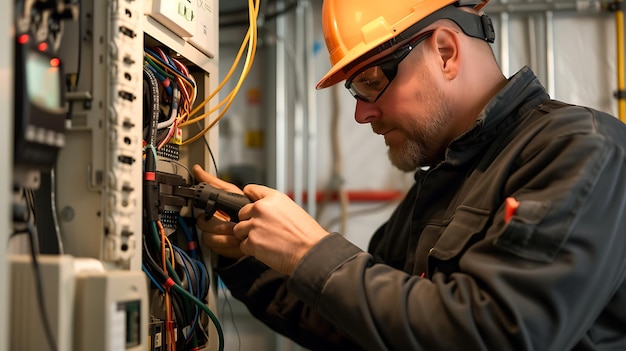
(226, 78)
(253, 11)
(165, 240)
(211, 111)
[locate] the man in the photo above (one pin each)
(512, 237)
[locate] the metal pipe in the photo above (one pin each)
(299, 113)
(281, 102)
(550, 70)
(311, 111)
(581, 6)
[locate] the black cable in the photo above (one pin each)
(180, 317)
(151, 191)
(206, 143)
(226, 302)
(80, 43)
(157, 272)
(153, 108)
(38, 286)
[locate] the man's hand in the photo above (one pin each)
(217, 232)
(275, 230)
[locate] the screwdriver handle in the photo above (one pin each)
(212, 199)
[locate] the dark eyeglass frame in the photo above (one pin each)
(388, 65)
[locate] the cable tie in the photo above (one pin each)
(169, 283)
(169, 325)
(150, 176)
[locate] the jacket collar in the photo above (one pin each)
(522, 93)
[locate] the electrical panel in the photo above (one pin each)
(193, 21)
(101, 172)
(98, 173)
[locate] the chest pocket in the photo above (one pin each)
(466, 226)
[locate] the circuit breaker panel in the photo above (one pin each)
(98, 173)
(104, 143)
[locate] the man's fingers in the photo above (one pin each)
(215, 224)
(256, 192)
(201, 175)
(214, 241)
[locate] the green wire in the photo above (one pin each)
(158, 68)
(177, 286)
(218, 326)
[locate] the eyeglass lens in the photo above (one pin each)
(369, 84)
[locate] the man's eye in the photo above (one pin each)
(370, 83)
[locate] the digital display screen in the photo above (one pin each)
(43, 81)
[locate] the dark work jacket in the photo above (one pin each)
(455, 268)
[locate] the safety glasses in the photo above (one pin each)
(372, 81)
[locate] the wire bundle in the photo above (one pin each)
(250, 41)
(182, 279)
(177, 92)
(179, 275)
(183, 291)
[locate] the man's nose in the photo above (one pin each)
(365, 112)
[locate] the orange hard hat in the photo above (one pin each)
(353, 28)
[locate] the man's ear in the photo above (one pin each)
(448, 44)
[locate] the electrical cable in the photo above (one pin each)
(152, 279)
(232, 315)
(186, 261)
(154, 59)
(180, 316)
(251, 37)
(173, 110)
(55, 219)
(266, 17)
(32, 218)
(79, 46)
(45, 320)
(177, 287)
(205, 308)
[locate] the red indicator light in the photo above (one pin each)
(23, 39)
(43, 46)
(55, 62)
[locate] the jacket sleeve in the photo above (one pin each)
(535, 282)
(265, 294)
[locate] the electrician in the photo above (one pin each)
(513, 236)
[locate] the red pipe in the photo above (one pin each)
(358, 195)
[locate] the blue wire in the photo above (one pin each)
(184, 257)
(188, 235)
(181, 253)
(161, 78)
(152, 279)
(170, 66)
(204, 275)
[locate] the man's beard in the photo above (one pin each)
(423, 146)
